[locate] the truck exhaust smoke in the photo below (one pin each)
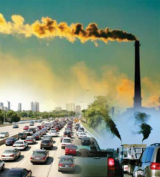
(113, 128)
(49, 28)
(145, 129)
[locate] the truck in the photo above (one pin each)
(91, 161)
(129, 154)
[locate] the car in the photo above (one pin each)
(20, 144)
(149, 162)
(81, 128)
(39, 156)
(15, 126)
(67, 134)
(85, 141)
(36, 136)
(10, 154)
(65, 141)
(30, 140)
(66, 163)
(31, 124)
(19, 172)
(28, 132)
(70, 149)
(47, 137)
(4, 134)
(10, 141)
(26, 127)
(46, 144)
(79, 131)
(2, 164)
(81, 135)
(33, 129)
(39, 127)
(53, 133)
(22, 135)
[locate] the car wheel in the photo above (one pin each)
(2, 167)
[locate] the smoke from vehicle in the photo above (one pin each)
(145, 129)
(113, 128)
(49, 28)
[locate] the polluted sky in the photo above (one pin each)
(53, 52)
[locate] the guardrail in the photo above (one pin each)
(3, 140)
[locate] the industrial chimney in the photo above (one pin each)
(137, 78)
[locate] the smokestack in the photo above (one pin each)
(137, 78)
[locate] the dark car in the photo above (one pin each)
(15, 126)
(67, 133)
(85, 141)
(10, 141)
(22, 135)
(19, 172)
(46, 144)
(36, 136)
(33, 129)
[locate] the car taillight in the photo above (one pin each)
(2, 155)
(31, 158)
(22, 145)
(12, 155)
(72, 165)
(111, 167)
(43, 158)
(61, 165)
(155, 166)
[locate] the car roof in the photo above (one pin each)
(66, 138)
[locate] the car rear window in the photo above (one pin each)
(149, 155)
(66, 160)
(66, 140)
(18, 142)
(158, 156)
(14, 174)
(39, 153)
(45, 141)
(20, 133)
(71, 146)
(8, 151)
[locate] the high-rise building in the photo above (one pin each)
(1, 106)
(70, 106)
(9, 105)
(58, 108)
(35, 106)
(20, 107)
(78, 108)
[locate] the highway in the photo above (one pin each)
(49, 169)
(13, 131)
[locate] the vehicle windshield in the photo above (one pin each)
(45, 141)
(8, 151)
(3, 132)
(39, 153)
(29, 139)
(18, 142)
(14, 174)
(71, 147)
(66, 160)
(66, 140)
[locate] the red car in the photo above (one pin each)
(70, 149)
(39, 127)
(26, 127)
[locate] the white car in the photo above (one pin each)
(20, 144)
(53, 133)
(79, 131)
(65, 141)
(82, 135)
(2, 164)
(4, 134)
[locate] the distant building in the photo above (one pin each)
(70, 106)
(20, 107)
(78, 108)
(58, 108)
(1, 106)
(9, 106)
(35, 106)
(5, 109)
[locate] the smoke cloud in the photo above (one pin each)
(113, 128)
(145, 129)
(49, 28)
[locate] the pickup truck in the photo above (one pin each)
(93, 162)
